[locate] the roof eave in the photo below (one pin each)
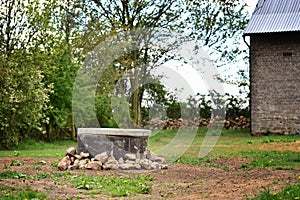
(273, 32)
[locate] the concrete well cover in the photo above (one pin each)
(116, 142)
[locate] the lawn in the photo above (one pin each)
(283, 150)
(237, 154)
(40, 149)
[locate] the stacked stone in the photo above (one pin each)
(105, 161)
(237, 123)
(174, 123)
(154, 124)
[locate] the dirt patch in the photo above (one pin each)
(180, 181)
(284, 146)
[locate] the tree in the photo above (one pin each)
(124, 15)
(43, 43)
(214, 22)
(71, 31)
(208, 22)
(60, 69)
(222, 23)
(23, 95)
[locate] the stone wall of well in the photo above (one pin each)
(275, 83)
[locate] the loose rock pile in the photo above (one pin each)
(104, 161)
(155, 124)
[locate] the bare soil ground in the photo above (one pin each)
(180, 181)
(284, 146)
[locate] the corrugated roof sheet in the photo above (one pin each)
(272, 16)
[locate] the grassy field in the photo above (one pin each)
(280, 152)
(34, 149)
(232, 143)
(240, 144)
(262, 151)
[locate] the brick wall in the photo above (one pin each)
(275, 83)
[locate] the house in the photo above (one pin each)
(274, 31)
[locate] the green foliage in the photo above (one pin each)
(203, 20)
(16, 153)
(13, 175)
(201, 106)
(38, 66)
(155, 99)
(205, 107)
(24, 99)
(104, 111)
(174, 110)
(235, 107)
(23, 94)
(16, 163)
(18, 175)
(115, 186)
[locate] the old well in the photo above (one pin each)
(117, 142)
(109, 148)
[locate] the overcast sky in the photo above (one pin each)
(191, 77)
(252, 4)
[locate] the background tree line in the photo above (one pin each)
(43, 44)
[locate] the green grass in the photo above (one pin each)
(115, 186)
(228, 138)
(271, 158)
(18, 175)
(40, 149)
(11, 175)
(160, 136)
(240, 144)
(288, 193)
(232, 143)
(278, 139)
(28, 194)
(206, 161)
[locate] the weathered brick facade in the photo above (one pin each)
(275, 83)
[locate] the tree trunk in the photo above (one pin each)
(49, 130)
(136, 103)
(73, 131)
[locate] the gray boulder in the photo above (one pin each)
(111, 163)
(94, 165)
(130, 156)
(71, 151)
(103, 157)
(64, 163)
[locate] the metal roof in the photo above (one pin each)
(272, 16)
